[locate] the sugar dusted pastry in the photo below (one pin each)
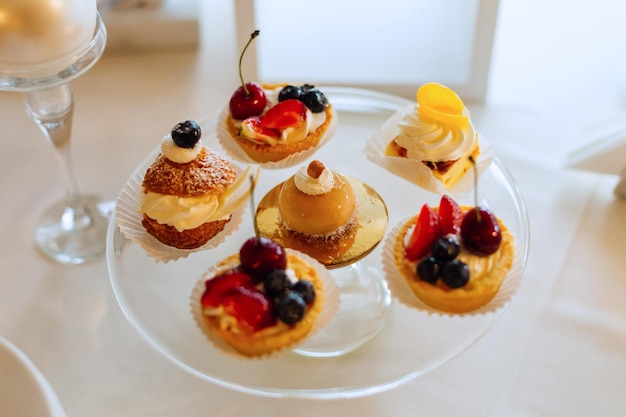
(262, 299)
(272, 122)
(438, 133)
(186, 191)
(454, 258)
(317, 204)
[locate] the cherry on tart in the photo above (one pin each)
(481, 231)
(249, 99)
(259, 256)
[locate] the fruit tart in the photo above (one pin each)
(431, 143)
(263, 299)
(185, 198)
(272, 122)
(453, 258)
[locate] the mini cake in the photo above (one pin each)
(438, 133)
(262, 299)
(454, 258)
(185, 189)
(272, 122)
(317, 205)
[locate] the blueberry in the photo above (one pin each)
(455, 273)
(446, 248)
(307, 87)
(186, 134)
(290, 307)
(306, 289)
(315, 100)
(290, 91)
(276, 282)
(429, 269)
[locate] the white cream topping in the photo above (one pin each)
(314, 186)
(429, 140)
(176, 154)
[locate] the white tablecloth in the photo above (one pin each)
(558, 350)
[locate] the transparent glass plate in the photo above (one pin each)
(155, 296)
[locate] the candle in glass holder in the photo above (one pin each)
(36, 32)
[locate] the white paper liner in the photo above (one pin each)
(233, 150)
(400, 289)
(330, 308)
(415, 171)
(129, 221)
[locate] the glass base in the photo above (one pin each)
(74, 234)
(365, 306)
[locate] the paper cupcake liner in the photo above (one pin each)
(415, 171)
(129, 222)
(330, 308)
(233, 150)
(401, 291)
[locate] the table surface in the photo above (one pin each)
(558, 350)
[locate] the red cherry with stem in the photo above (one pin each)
(249, 99)
(480, 231)
(260, 255)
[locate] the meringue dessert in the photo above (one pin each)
(317, 204)
(439, 134)
(189, 192)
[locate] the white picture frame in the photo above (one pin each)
(473, 87)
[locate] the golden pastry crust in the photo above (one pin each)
(187, 239)
(476, 293)
(209, 173)
(267, 153)
(280, 335)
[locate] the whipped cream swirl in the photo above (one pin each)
(314, 186)
(176, 154)
(430, 140)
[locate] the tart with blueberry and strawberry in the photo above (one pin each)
(263, 299)
(189, 192)
(271, 122)
(454, 258)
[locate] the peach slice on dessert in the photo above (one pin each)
(441, 104)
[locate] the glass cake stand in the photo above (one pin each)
(155, 296)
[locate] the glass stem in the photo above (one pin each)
(53, 109)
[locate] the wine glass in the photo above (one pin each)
(365, 300)
(45, 44)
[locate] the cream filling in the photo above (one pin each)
(429, 140)
(185, 213)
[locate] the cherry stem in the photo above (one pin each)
(252, 36)
(473, 161)
(253, 205)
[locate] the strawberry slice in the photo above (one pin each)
(424, 234)
(449, 216)
(251, 308)
(285, 114)
(252, 129)
(219, 285)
